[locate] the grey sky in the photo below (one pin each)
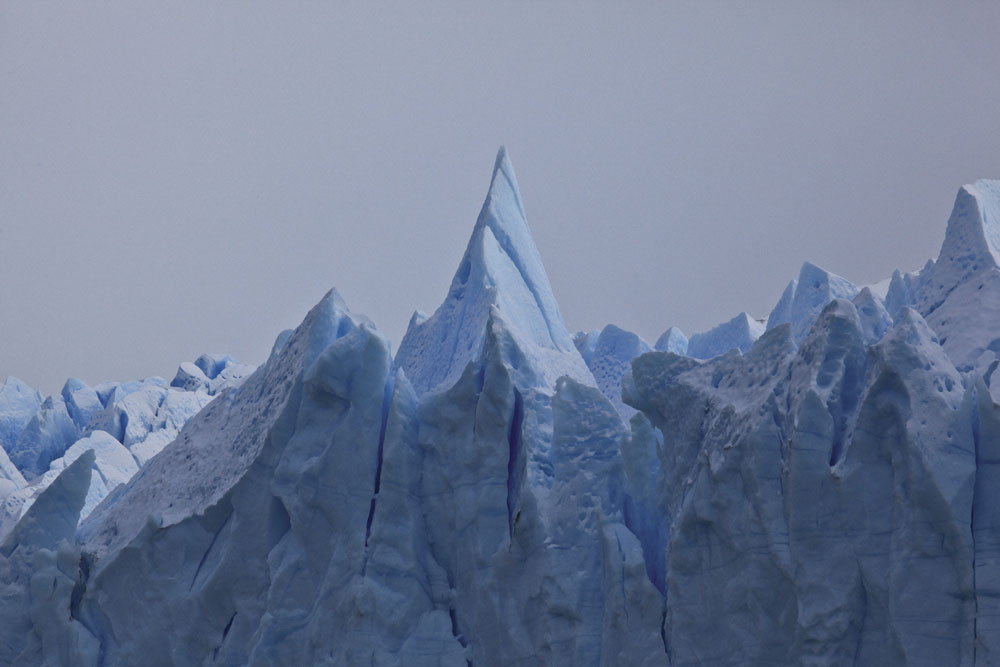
(187, 177)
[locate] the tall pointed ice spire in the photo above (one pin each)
(501, 268)
(959, 294)
(971, 243)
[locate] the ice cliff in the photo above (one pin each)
(819, 490)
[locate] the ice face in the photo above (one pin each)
(971, 243)
(54, 516)
(501, 269)
(113, 465)
(45, 437)
(782, 313)
(40, 574)
(329, 511)
(824, 492)
(902, 291)
(875, 319)
(81, 401)
(738, 333)
(959, 294)
(797, 461)
(585, 342)
(18, 404)
(127, 424)
(804, 299)
(672, 340)
(611, 359)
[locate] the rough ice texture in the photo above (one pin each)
(327, 513)
(831, 485)
(823, 494)
(40, 575)
(959, 294)
(611, 359)
(875, 319)
(127, 424)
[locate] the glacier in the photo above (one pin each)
(125, 424)
(818, 487)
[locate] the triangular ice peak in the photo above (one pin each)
(804, 299)
(738, 333)
(501, 268)
(672, 340)
(872, 314)
(971, 243)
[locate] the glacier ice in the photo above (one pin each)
(81, 401)
(819, 491)
(738, 333)
(804, 299)
(18, 404)
(672, 340)
(611, 359)
(45, 437)
(501, 269)
(585, 342)
(127, 424)
(113, 465)
(874, 317)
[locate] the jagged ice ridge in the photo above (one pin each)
(818, 487)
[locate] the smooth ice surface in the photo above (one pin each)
(585, 342)
(54, 516)
(804, 299)
(738, 333)
(18, 404)
(113, 465)
(672, 340)
(501, 269)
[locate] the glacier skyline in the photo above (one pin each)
(823, 493)
(152, 160)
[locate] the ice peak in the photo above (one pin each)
(502, 217)
(971, 243)
(672, 340)
(738, 333)
(54, 515)
(502, 268)
(986, 197)
(804, 299)
(975, 221)
(503, 185)
(875, 319)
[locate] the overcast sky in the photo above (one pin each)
(186, 177)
